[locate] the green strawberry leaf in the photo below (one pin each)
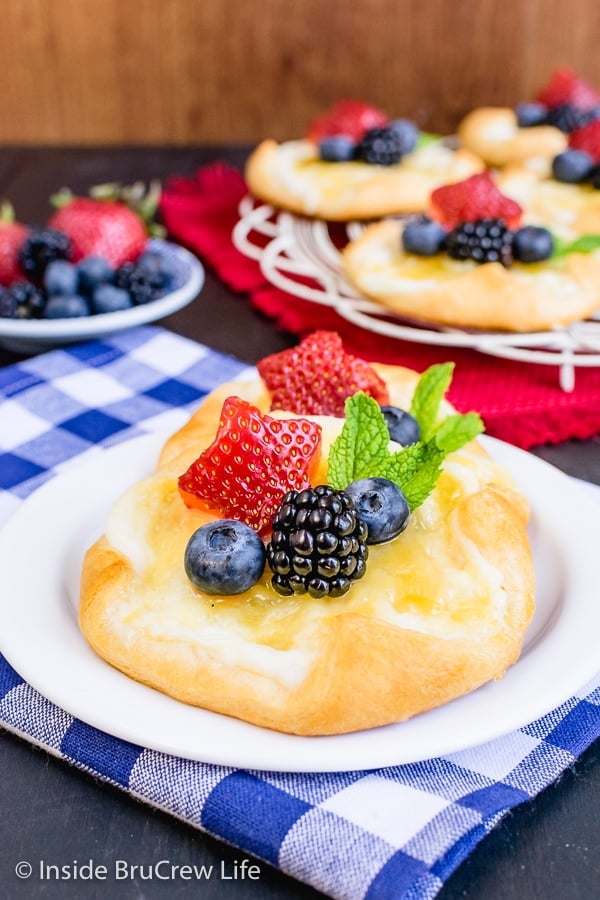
(429, 393)
(362, 445)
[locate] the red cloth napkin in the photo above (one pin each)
(520, 403)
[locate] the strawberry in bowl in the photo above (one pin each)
(93, 256)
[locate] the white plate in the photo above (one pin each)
(40, 556)
(36, 335)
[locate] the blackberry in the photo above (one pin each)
(143, 283)
(40, 248)
(22, 300)
(567, 117)
(380, 147)
(318, 546)
(485, 240)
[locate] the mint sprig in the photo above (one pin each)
(361, 450)
(415, 470)
(362, 445)
(424, 138)
(429, 393)
(587, 243)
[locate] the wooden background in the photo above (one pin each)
(189, 71)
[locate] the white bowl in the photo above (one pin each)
(37, 335)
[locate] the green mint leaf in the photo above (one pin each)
(457, 430)
(587, 243)
(415, 470)
(559, 246)
(361, 448)
(429, 393)
(425, 138)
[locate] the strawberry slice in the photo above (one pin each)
(253, 461)
(587, 138)
(566, 87)
(317, 376)
(350, 117)
(477, 197)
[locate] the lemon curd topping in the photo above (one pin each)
(298, 167)
(388, 268)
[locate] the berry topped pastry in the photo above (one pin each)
(536, 131)
(478, 259)
(355, 162)
(324, 549)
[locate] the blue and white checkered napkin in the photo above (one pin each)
(395, 832)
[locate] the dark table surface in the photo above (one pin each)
(548, 848)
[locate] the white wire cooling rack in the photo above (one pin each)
(300, 256)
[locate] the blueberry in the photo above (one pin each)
(382, 507)
(572, 166)
(108, 298)
(403, 428)
(8, 305)
(336, 148)
(66, 306)
(93, 271)
(158, 266)
(22, 300)
(532, 244)
(530, 114)
(423, 236)
(60, 277)
(224, 557)
(408, 133)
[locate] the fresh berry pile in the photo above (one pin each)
(473, 220)
(565, 86)
(352, 118)
(352, 130)
(567, 102)
(92, 257)
(260, 474)
(580, 163)
(572, 105)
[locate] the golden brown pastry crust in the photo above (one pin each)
(493, 134)
(438, 290)
(290, 176)
(364, 671)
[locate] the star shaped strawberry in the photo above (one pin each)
(253, 462)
